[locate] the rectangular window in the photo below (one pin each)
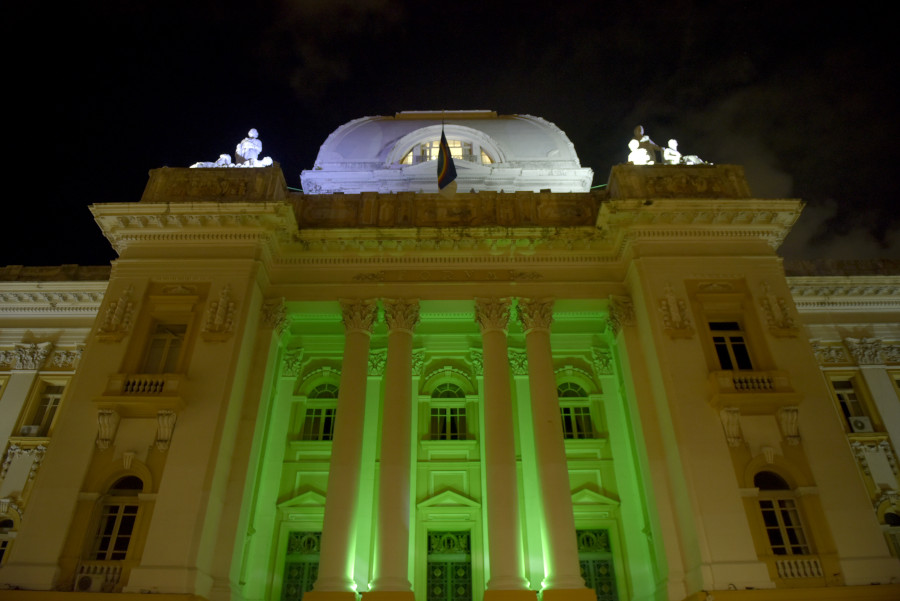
(448, 423)
(116, 527)
(730, 345)
(576, 422)
(318, 424)
(4, 545)
(164, 348)
(42, 408)
(782, 521)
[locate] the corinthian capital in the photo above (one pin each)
(359, 314)
(492, 313)
(535, 313)
(401, 314)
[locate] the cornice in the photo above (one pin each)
(680, 219)
(51, 298)
(845, 293)
(208, 222)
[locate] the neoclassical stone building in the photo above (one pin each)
(531, 387)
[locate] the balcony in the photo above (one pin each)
(98, 576)
(754, 392)
(142, 395)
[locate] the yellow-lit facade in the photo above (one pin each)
(495, 395)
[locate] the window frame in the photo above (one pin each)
(724, 344)
(862, 401)
(318, 414)
(573, 409)
(33, 406)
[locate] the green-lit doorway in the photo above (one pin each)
(301, 565)
(596, 558)
(449, 566)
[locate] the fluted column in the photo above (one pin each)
(339, 531)
(502, 490)
(392, 547)
(563, 572)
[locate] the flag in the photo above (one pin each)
(446, 170)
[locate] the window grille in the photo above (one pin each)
(596, 559)
(301, 567)
(448, 423)
(576, 422)
(731, 348)
(449, 567)
(318, 423)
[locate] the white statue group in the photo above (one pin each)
(247, 153)
(644, 151)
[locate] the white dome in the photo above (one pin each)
(396, 154)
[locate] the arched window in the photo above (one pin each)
(448, 419)
(117, 520)
(460, 150)
(575, 411)
(780, 515)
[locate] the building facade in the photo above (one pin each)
(533, 387)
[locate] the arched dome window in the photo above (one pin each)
(460, 150)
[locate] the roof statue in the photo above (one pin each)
(643, 151)
(247, 153)
(638, 155)
(647, 144)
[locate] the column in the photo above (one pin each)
(563, 580)
(392, 546)
(502, 490)
(336, 556)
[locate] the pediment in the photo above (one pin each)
(310, 498)
(586, 496)
(448, 498)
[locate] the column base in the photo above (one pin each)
(568, 594)
(510, 595)
(387, 596)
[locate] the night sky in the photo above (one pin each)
(103, 92)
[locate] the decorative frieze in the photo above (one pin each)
(535, 313)
(292, 362)
(401, 314)
(675, 315)
(866, 351)
(219, 324)
(359, 315)
(165, 426)
(829, 353)
(29, 356)
(66, 359)
(492, 313)
(117, 318)
(274, 315)
(777, 313)
(601, 360)
(621, 313)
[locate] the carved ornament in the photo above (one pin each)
(165, 426)
(107, 422)
(219, 324)
(601, 360)
(492, 313)
(866, 351)
(377, 361)
(535, 314)
(675, 314)
(476, 358)
(36, 453)
(401, 314)
(274, 315)
(359, 315)
(116, 322)
(731, 423)
(67, 359)
(829, 353)
(621, 313)
(28, 356)
(293, 361)
(518, 362)
(777, 313)
(789, 420)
